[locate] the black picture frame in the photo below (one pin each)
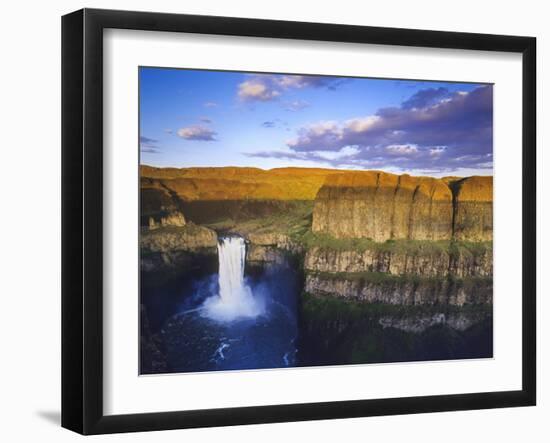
(82, 218)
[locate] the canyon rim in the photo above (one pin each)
(297, 220)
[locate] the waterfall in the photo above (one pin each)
(231, 255)
(235, 298)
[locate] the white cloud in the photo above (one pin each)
(341, 155)
(362, 124)
(197, 132)
(300, 81)
(256, 90)
(321, 136)
(265, 87)
(402, 149)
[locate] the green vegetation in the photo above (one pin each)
(330, 308)
(311, 239)
(411, 247)
(374, 277)
(384, 277)
(190, 229)
(346, 332)
(463, 247)
(294, 220)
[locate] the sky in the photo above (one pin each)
(219, 118)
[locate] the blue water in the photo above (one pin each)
(193, 342)
(182, 334)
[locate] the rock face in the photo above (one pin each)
(235, 183)
(458, 321)
(190, 238)
(265, 254)
(461, 262)
(172, 219)
(280, 241)
(450, 274)
(171, 247)
(384, 206)
(401, 291)
(270, 248)
(473, 219)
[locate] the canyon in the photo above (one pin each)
(408, 259)
(367, 236)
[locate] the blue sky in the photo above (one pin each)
(217, 118)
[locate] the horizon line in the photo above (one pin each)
(311, 168)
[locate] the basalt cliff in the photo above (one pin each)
(383, 206)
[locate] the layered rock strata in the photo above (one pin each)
(459, 262)
(397, 291)
(172, 248)
(383, 206)
(473, 209)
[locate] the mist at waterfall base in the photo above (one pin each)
(228, 320)
(235, 299)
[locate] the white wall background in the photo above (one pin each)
(30, 219)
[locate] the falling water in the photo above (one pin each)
(235, 298)
(231, 255)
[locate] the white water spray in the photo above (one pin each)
(235, 298)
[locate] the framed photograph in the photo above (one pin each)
(270, 221)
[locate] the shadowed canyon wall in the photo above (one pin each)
(473, 216)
